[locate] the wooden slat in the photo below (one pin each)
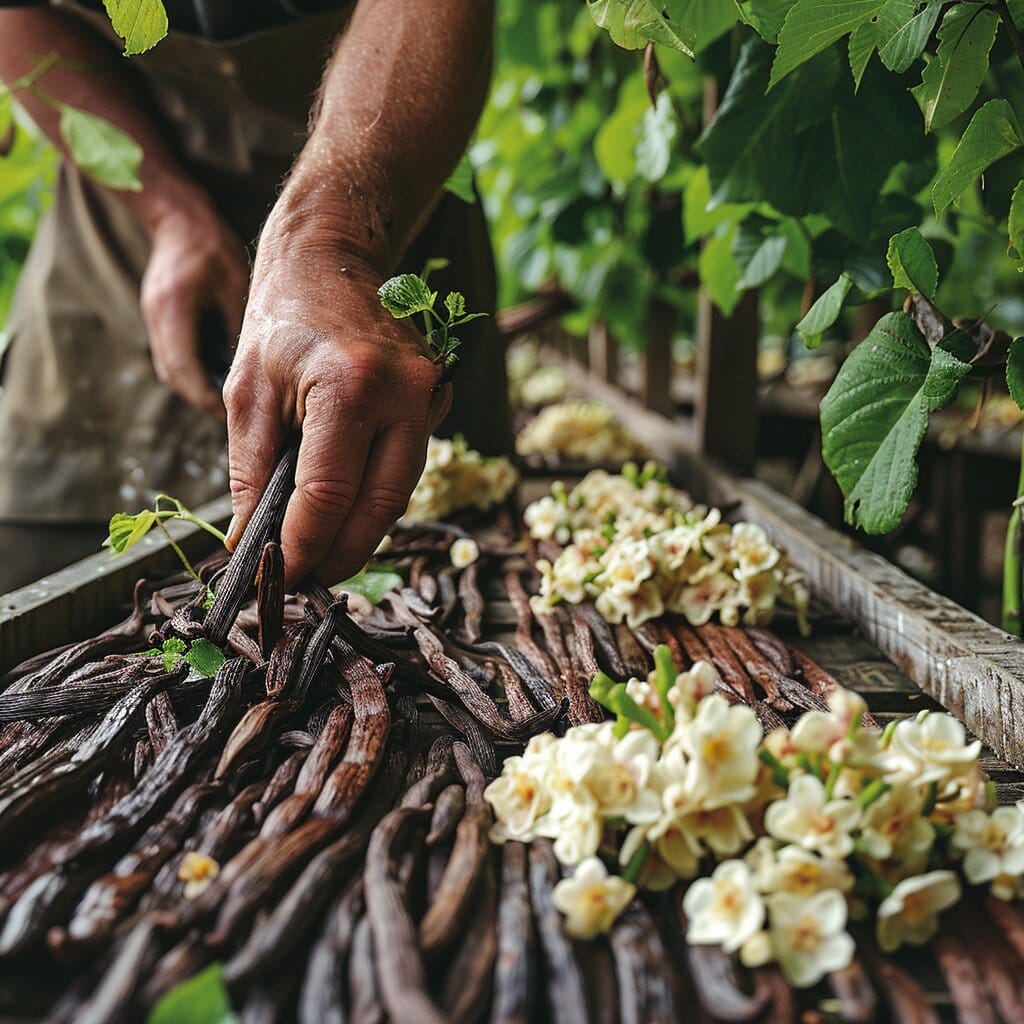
(970, 667)
(87, 597)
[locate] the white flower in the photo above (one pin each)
(591, 899)
(691, 687)
(815, 731)
(699, 602)
(464, 552)
(519, 797)
(544, 518)
(910, 913)
(627, 565)
(805, 817)
(576, 830)
(809, 935)
(619, 783)
(197, 871)
(893, 825)
(994, 843)
(722, 742)
(930, 748)
(796, 870)
(752, 550)
(723, 910)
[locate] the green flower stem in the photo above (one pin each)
(833, 778)
(636, 862)
(1013, 580)
(189, 568)
(780, 773)
(872, 792)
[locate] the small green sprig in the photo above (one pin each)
(205, 657)
(408, 294)
(127, 529)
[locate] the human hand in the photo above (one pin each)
(196, 264)
(319, 353)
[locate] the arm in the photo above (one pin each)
(195, 262)
(317, 351)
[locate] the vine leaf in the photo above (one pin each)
(658, 131)
(202, 999)
(812, 25)
(953, 76)
(104, 152)
(632, 24)
(825, 311)
(862, 44)
(874, 417)
(1015, 224)
(766, 259)
(902, 33)
(6, 113)
(912, 262)
(205, 657)
(460, 182)
(1015, 371)
(373, 584)
(126, 529)
(992, 133)
(140, 23)
(406, 295)
(765, 16)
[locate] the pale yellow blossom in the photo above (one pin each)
(724, 910)
(591, 899)
(910, 913)
(809, 937)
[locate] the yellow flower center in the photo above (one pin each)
(806, 936)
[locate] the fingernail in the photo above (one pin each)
(229, 539)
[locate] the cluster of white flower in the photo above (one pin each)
(784, 836)
(532, 383)
(456, 477)
(584, 431)
(639, 547)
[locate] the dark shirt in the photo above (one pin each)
(222, 19)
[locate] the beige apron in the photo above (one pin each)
(85, 427)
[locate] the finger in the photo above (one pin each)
(173, 328)
(336, 439)
(257, 433)
(394, 466)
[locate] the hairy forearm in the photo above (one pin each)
(93, 76)
(398, 105)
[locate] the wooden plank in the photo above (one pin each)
(87, 597)
(970, 667)
(656, 359)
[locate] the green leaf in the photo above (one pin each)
(455, 303)
(202, 999)
(173, 650)
(206, 658)
(812, 25)
(766, 16)
(875, 415)
(633, 24)
(912, 262)
(140, 23)
(862, 45)
(373, 584)
(126, 529)
(952, 78)
(101, 149)
(1015, 224)
(461, 181)
(766, 259)
(405, 295)
(825, 311)
(718, 271)
(902, 35)
(992, 134)
(658, 131)
(1015, 371)
(6, 113)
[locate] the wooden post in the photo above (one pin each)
(656, 359)
(726, 410)
(604, 352)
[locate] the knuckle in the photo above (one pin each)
(384, 504)
(328, 499)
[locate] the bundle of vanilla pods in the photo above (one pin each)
(330, 781)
